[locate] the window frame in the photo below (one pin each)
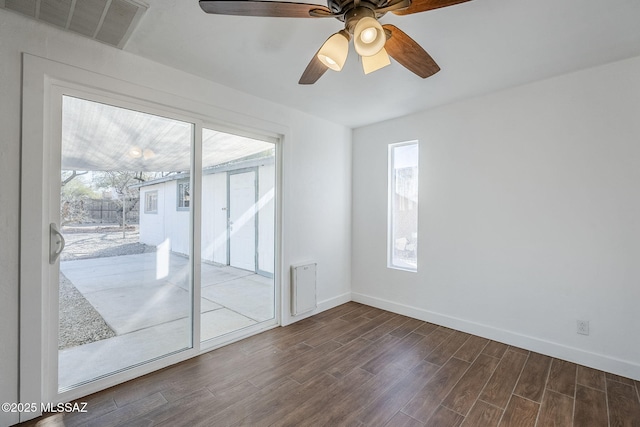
(147, 197)
(391, 181)
(180, 200)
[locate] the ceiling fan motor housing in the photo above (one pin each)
(345, 10)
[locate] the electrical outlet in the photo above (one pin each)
(583, 327)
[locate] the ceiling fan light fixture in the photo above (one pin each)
(135, 152)
(375, 62)
(368, 36)
(333, 52)
(148, 153)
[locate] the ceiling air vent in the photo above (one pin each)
(109, 21)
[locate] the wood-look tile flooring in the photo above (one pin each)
(356, 365)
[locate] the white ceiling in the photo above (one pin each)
(481, 46)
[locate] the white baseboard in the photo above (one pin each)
(334, 302)
(322, 306)
(593, 360)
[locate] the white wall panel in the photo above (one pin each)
(176, 226)
(152, 224)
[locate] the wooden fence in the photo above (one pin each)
(106, 211)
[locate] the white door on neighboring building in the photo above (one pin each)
(242, 220)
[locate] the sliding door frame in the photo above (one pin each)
(59, 90)
(44, 84)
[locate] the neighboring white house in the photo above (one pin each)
(238, 214)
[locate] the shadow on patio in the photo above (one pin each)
(146, 301)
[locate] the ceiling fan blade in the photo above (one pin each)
(425, 5)
(393, 5)
(313, 72)
(278, 9)
(408, 53)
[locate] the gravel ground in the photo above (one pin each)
(80, 323)
(98, 242)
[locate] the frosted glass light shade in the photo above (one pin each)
(135, 152)
(368, 37)
(333, 52)
(375, 62)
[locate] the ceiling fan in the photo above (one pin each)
(372, 41)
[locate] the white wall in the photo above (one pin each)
(152, 224)
(316, 166)
(529, 216)
(176, 225)
(9, 223)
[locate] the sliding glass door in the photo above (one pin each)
(125, 285)
(238, 233)
(154, 218)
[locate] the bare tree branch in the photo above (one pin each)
(72, 176)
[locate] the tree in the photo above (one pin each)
(75, 196)
(120, 182)
(76, 192)
(68, 176)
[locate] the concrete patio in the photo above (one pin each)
(145, 299)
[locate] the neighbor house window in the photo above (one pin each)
(151, 202)
(184, 195)
(403, 206)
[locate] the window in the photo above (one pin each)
(403, 206)
(151, 202)
(184, 196)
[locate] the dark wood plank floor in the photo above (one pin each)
(360, 366)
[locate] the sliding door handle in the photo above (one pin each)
(56, 243)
